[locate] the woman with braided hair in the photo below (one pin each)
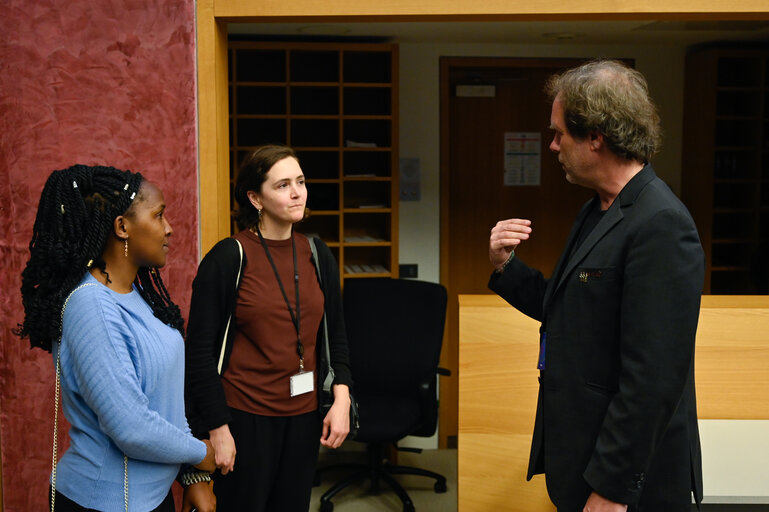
(92, 296)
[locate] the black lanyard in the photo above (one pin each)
(294, 317)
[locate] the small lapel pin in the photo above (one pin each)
(589, 274)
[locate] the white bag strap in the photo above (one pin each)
(57, 392)
(229, 320)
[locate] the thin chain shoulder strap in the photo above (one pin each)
(56, 416)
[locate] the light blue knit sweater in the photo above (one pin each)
(122, 389)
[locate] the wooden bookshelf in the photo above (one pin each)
(336, 104)
(725, 178)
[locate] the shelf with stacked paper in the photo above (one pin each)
(367, 234)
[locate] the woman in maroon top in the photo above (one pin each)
(256, 394)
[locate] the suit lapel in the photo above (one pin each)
(563, 260)
(612, 216)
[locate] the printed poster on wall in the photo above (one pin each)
(523, 158)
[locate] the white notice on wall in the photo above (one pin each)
(523, 158)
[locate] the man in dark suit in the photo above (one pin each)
(616, 425)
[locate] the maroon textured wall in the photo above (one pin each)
(94, 82)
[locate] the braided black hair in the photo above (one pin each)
(75, 216)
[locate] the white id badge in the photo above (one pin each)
(302, 382)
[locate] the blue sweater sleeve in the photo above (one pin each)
(123, 376)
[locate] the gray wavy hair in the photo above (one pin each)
(608, 97)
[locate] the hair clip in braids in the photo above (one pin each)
(89, 264)
(74, 184)
(133, 194)
(62, 208)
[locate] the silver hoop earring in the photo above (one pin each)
(125, 250)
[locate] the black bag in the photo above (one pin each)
(327, 400)
(325, 393)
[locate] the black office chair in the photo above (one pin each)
(395, 332)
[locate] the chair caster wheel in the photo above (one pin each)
(440, 487)
(326, 506)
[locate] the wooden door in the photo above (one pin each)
(473, 194)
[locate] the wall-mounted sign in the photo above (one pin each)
(523, 158)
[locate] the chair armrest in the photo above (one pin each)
(426, 392)
(443, 371)
(428, 405)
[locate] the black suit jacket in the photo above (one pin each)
(617, 410)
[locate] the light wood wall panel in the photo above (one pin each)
(732, 357)
(497, 399)
(473, 8)
(213, 127)
(498, 390)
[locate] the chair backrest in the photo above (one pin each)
(395, 332)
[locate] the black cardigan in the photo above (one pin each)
(213, 301)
